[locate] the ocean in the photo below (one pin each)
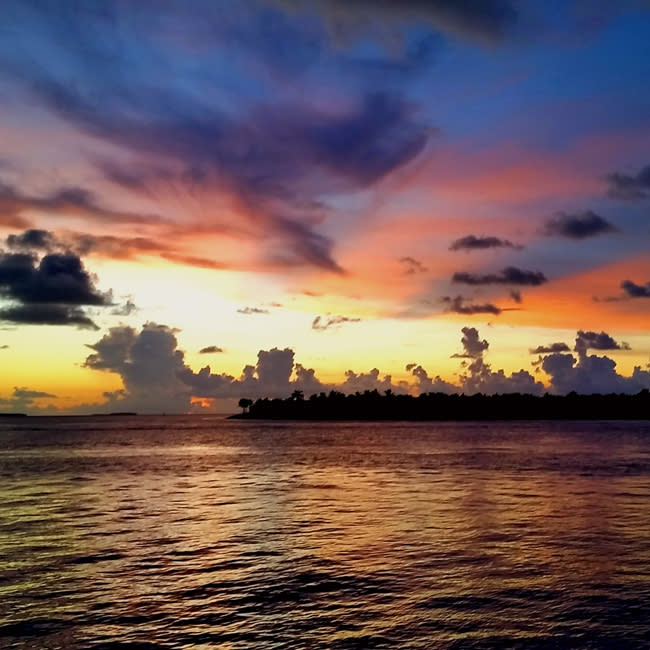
(200, 532)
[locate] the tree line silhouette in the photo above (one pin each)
(373, 405)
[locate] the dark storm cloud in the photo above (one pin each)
(471, 242)
(636, 290)
(56, 278)
(578, 226)
(459, 305)
(211, 349)
(589, 340)
(322, 323)
(629, 187)
(47, 314)
(509, 275)
(32, 239)
(412, 266)
(483, 20)
(47, 290)
(553, 348)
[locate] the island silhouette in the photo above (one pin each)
(373, 405)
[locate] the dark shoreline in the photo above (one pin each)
(432, 407)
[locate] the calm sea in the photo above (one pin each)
(194, 532)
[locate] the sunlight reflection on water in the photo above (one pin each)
(176, 532)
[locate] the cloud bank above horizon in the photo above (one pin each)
(338, 179)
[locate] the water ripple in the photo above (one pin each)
(198, 532)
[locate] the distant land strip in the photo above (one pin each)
(372, 405)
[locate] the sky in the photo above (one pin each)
(209, 200)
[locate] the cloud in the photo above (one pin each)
(412, 266)
(68, 201)
(471, 242)
(47, 314)
(371, 380)
(509, 275)
(191, 260)
(458, 305)
(23, 400)
(156, 378)
(590, 340)
(149, 365)
(578, 226)
(591, 374)
(4, 347)
(47, 291)
(32, 239)
(128, 308)
(56, 278)
(487, 21)
(270, 377)
(274, 366)
(636, 290)
(27, 394)
(111, 246)
(322, 323)
(473, 347)
(516, 296)
(211, 349)
(300, 154)
(425, 384)
(629, 187)
(252, 310)
(178, 125)
(553, 348)
(479, 376)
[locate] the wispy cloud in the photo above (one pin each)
(412, 266)
(252, 310)
(322, 323)
(629, 187)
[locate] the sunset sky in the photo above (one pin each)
(406, 194)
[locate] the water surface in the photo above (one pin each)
(195, 532)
